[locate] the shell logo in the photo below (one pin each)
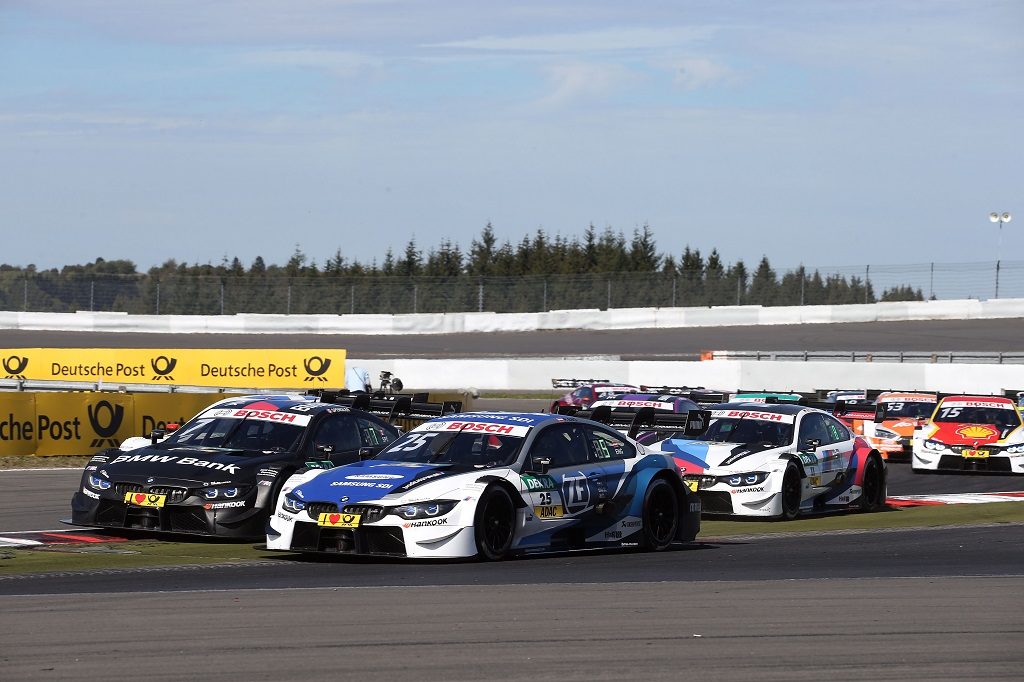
(975, 431)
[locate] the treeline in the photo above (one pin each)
(600, 270)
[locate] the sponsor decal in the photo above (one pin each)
(89, 493)
(105, 420)
(360, 484)
(575, 492)
(631, 524)
(372, 477)
(758, 489)
(695, 506)
(657, 404)
(994, 402)
(752, 414)
(974, 454)
(173, 459)
(319, 464)
(337, 520)
(316, 367)
(613, 535)
(162, 367)
(266, 483)
(442, 521)
(539, 482)
(283, 516)
(553, 511)
(145, 499)
(15, 365)
(224, 505)
(814, 480)
(977, 431)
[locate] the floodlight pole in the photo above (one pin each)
(1000, 218)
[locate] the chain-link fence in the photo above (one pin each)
(326, 294)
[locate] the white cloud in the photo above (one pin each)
(338, 63)
(605, 40)
(573, 82)
(694, 73)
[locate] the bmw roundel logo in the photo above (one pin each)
(344, 499)
(150, 479)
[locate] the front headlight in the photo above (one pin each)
(882, 432)
(424, 510)
(1015, 449)
(97, 483)
(292, 504)
(934, 446)
(739, 480)
(224, 492)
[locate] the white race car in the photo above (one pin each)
(778, 460)
(489, 485)
(971, 433)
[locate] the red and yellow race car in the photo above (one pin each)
(889, 424)
(971, 433)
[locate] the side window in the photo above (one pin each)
(812, 426)
(374, 434)
(339, 432)
(836, 431)
(562, 444)
(604, 445)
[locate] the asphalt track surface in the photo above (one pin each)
(933, 335)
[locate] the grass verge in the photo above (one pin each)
(159, 552)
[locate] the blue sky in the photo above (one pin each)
(822, 132)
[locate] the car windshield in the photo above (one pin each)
(993, 416)
(749, 431)
(257, 435)
(903, 410)
(462, 448)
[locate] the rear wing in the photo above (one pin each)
(576, 383)
(697, 394)
(692, 424)
(406, 411)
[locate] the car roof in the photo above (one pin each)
(277, 403)
(993, 399)
(519, 418)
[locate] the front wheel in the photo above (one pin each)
(661, 516)
(494, 523)
(872, 494)
(791, 493)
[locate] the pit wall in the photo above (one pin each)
(728, 375)
(450, 323)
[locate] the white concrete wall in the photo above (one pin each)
(444, 323)
(728, 375)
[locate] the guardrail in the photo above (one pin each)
(944, 357)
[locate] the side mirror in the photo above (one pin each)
(156, 434)
(879, 413)
(811, 444)
(541, 464)
(325, 448)
(367, 453)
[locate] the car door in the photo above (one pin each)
(840, 441)
(812, 427)
(569, 488)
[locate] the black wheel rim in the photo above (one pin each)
(497, 524)
(661, 516)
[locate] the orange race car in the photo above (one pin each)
(889, 424)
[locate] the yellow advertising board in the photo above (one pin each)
(82, 423)
(213, 367)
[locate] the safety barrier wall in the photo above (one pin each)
(728, 375)
(70, 423)
(444, 323)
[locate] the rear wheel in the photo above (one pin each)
(494, 524)
(872, 494)
(791, 491)
(661, 515)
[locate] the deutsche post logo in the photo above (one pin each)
(316, 367)
(976, 431)
(105, 420)
(15, 366)
(162, 367)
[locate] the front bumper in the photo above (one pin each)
(187, 517)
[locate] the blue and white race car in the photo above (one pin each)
(489, 485)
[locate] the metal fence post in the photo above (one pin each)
(288, 309)
(803, 280)
(352, 299)
(544, 305)
(867, 278)
(92, 293)
(609, 295)
(415, 293)
(158, 298)
(222, 298)
(24, 304)
(997, 279)
(480, 297)
(673, 291)
(931, 282)
(739, 284)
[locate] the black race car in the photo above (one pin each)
(220, 473)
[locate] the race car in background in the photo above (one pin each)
(766, 397)
(587, 391)
(220, 473)
(489, 485)
(778, 461)
(971, 433)
(889, 426)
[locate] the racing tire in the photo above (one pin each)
(660, 516)
(494, 524)
(791, 490)
(872, 494)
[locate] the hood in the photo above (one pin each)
(904, 426)
(373, 479)
(184, 466)
(697, 456)
(953, 433)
